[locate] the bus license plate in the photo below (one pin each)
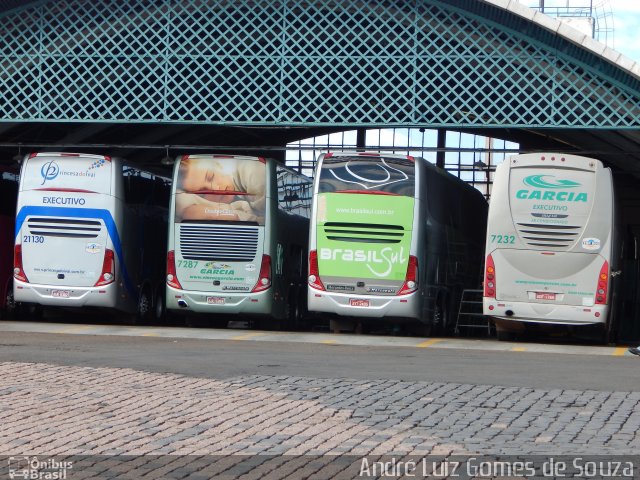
(215, 300)
(545, 296)
(357, 302)
(61, 293)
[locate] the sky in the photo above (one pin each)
(626, 23)
(622, 16)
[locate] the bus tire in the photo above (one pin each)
(145, 303)
(292, 312)
(8, 309)
(439, 318)
(303, 311)
(159, 307)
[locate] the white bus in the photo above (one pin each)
(551, 247)
(392, 238)
(90, 232)
(238, 232)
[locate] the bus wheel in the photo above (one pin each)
(144, 304)
(159, 309)
(9, 309)
(438, 319)
(292, 316)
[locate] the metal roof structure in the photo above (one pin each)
(263, 73)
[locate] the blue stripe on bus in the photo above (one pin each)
(102, 214)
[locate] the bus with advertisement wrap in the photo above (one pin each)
(90, 231)
(551, 247)
(238, 235)
(392, 237)
(8, 199)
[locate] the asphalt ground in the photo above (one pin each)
(225, 353)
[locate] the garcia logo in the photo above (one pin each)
(215, 268)
(537, 181)
(551, 189)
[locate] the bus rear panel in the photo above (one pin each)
(219, 250)
(362, 259)
(550, 251)
(67, 247)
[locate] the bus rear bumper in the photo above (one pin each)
(545, 312)
(64, 296)
(219, 302)
(372, 306)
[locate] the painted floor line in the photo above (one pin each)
(247, 336)
(518, 349)
(76, 329)
(619, 351)
(428, 343)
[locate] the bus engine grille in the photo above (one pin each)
(548, 236)
(64, 227)
(363, 232)
(218, 242)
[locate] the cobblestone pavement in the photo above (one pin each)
(46, 409)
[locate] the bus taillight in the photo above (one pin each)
(18, 271)
(264, 279)
(410, 284)
(172, 278)
(108, 274)
(490, 278)
(603, 284)
(314, 273)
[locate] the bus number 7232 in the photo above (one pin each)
(511, 239)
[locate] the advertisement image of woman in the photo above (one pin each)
(211, 188)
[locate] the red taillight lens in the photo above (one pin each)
(172, 278)
(603, 285)
(489, 278)
(264, 280)
(18, 271)
(108, 274)
(314, 273)
(410, 284)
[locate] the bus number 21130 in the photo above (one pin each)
(32, 239)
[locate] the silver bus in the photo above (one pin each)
(238, 233)
(90, 231)
(392, 237)
(550, 248)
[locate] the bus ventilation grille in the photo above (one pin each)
(548, 236)
(218, 242)
(363, 232)
(64, 227)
